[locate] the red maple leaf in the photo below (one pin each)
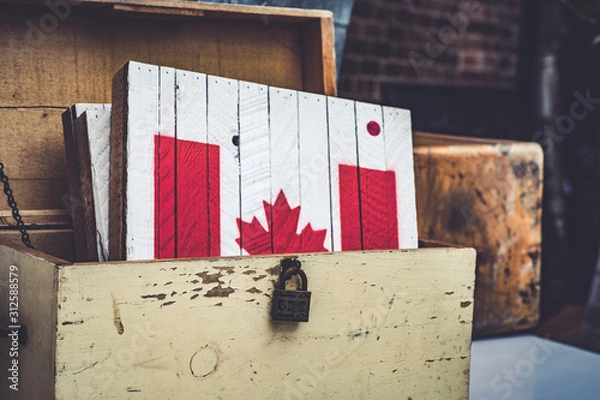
(282, 237)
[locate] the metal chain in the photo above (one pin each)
(15, 210)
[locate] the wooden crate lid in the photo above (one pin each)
(192, 9)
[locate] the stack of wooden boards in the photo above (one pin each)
(88, 40)
(206, 166)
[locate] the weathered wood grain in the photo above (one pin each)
(164, 171)
(304, 144)
(396, 144)
(383, 325)
(117, 174)
(255, 167)
(52, 241)
(259, 44)
(343, 154)
(285, 169)
(98, 124)
(87, 144)
(79, 205)
(37, 300)
(191, 128)
(491, 195)
(315, 187)
(374, 198)
(223, 127)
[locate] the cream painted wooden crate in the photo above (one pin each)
(383, 325)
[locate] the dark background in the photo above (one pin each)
(511, 69)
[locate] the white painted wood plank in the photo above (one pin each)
(193, 237)
(399, 157)
(255, 166)
(191, 106)
(165, 207)
(98, 123)
(371, 160)
(285, 168)
(315, 188)
(371, 148)
(342, 151)
(222, 127)
(142, 126)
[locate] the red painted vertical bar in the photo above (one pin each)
(192, 199)
(392, 209)
(164, 205)
(374, 202)
(214, 199)
(349, 208)
(156, 196)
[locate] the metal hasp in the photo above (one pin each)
(291, 305)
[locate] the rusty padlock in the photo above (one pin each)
(291, 305)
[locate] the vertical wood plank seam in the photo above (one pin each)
(157, 172)
(360, 216)
(270, 217)
(298, 227)
(207, 161)
(331, 188)
(385, 171)
(175, 169)
(124, 165)
(239, 163)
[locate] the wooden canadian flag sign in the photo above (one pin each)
(207, 166)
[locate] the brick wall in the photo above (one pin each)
(466, 42)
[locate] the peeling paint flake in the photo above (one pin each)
(276, 270)
(117, 317)
(228, 270)
(158, 296)
(210, 278)
(219, 291)
(73, 322)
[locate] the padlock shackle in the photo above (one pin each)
(287, 275)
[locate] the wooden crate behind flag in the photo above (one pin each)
(208, 166)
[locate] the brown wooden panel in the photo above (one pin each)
(74, 62)
(319, 35)
(487, 196)
(55, 242)
(32, 143)
(437, 139)
(38, 218)
(38, 194)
